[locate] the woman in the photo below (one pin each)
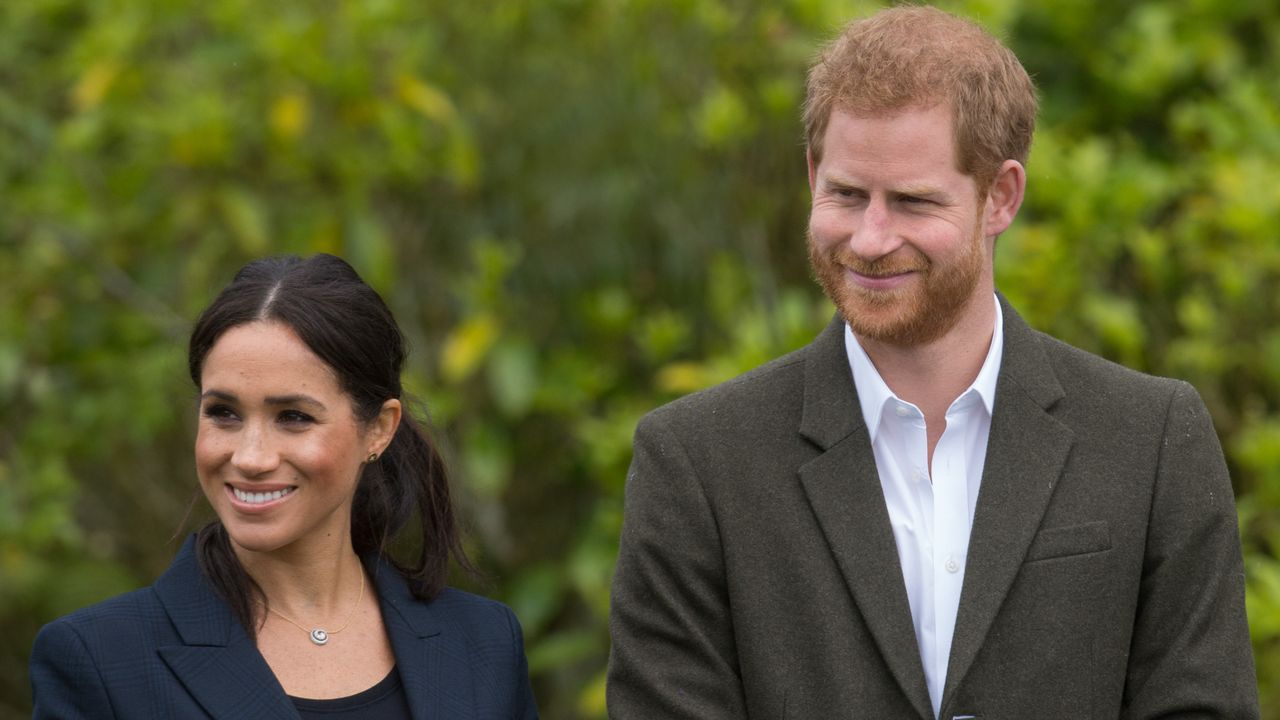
(289, 605)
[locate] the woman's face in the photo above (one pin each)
(279, 448)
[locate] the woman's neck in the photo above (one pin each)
(317, 581)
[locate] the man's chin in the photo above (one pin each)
(893, 323)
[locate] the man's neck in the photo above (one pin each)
(932, 375)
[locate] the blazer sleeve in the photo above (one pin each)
(1190, 653)
(673, 653)
(65, 681)
(525, 707)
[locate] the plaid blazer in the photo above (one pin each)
(174, 650)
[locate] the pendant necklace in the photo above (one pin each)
(320, 636)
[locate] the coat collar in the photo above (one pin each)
(422, 658)
(221, 667)
(843, 488)
(1025, 454)
(217, 662)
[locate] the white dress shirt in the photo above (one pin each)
(931, 520)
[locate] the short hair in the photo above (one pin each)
(906, 58)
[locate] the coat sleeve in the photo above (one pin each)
(673, 653)
(1190, 655)
(65, 681)
(526, 708)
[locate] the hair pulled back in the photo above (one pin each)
(348, 326)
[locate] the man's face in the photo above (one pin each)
(896, 231)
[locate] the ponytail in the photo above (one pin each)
(409, 479)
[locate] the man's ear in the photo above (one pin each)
(1005, 197)
(383, 427)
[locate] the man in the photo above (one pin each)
(932, 510)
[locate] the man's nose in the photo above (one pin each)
(256, 453)
(876, 235)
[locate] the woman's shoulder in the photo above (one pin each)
(480, 620)
(134, 619)
(122, 613)
(469, 609)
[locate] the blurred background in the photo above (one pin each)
(578, 210)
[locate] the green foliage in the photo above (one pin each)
(578, 210)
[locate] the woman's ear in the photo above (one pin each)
(383, 427)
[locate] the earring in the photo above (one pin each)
(372, 457)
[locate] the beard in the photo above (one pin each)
(918, 313)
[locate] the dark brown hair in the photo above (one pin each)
(907, 58)
(347, 325)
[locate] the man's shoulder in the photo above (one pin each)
(1100, 396)
(1079, 369)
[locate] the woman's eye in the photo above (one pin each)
(294, 417)
(220, 413)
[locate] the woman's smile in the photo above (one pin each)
(260, 499)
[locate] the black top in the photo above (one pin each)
(384, 701)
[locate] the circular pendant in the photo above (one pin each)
(319, 637)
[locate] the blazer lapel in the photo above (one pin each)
(843, 488)
(217, 662)
(430, 677)
(1026, 452)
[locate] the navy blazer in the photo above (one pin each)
(174, 650)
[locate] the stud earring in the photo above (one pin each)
(372, 457)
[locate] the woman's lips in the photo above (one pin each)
(253, 499)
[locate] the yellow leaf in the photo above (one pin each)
(681, 377)
(466, 346)
(591, 698)
(290, 115)
(94, 84)
(426, 99)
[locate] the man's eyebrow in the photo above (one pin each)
(839, 181)
(921, 191)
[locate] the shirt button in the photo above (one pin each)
(951, 565)
(902, 410)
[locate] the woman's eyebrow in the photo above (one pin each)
(294, 399)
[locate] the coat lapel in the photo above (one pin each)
(217, 662)
(1026, 453)
(418, 643)
(843, 488)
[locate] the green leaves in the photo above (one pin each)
(577, 210)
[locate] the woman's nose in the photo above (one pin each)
(255, 454)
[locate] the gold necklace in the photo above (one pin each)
(320, 636)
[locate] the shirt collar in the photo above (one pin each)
(874, 394)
